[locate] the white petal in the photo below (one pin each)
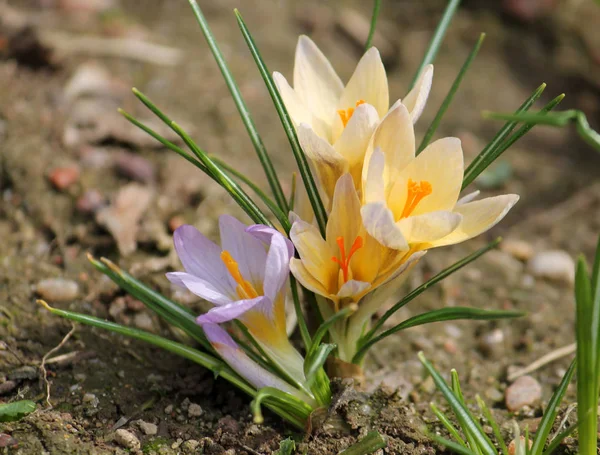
(293, 103)
(344, 219)
(352, 288)
(468, 198)
(353, 141)
(315, 80)
(478, 217)
(314, 252)
(374, 186)
(429, 227)
(248, 251)
(417, 98)
(379, 222)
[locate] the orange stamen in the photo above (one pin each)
(244, 289)
(417, 191)
(345, 115)
(344, 261)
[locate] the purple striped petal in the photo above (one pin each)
(248, 251)
(266, 233)
(202, 288)
(201, 257)
(231, 311)
(277, 267)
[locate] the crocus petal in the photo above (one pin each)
(330, 165)
(314, 252)
(417, 97)
(468, 198)
(440, 164)
(202, 288)
(265, 234)
(368, 83)
(379, 222)
(201, 257)
(248, 251)
(374, 186)
(353, 289)
(478, 217)
(243, 365)
(353, 142)
(277, 266)
(306, 279)
(344, 219)
(229, 312)
(315, 80)
(395, 135)
(429, 227)
(293, 103)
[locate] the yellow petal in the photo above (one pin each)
(429, 227)
(368, 83)
(330, 165)
(344, 219)
(293, 104)
(315, 80)
(379, 223)
(374, 186)
(306, 279)
(416, 99)
(440, 164)
(478, 217)
(315, 253)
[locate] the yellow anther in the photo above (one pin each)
(346, 114)
(244, 288)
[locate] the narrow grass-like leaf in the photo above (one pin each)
(447, 424)
(481, 161)
(275, 210)
(288, 126)
(324, 327)
(238, 195)
(10, 412)
(595, 322)
(450, 96)
(372, 442)
(304, 333)
(460, 410)
(438, 37)
(299, 408)
(261, 151)
(294, 183)
(559, 438)
(555, 119)
(317, 360)
(551, 412)
(443, 314)
(495, 428)
(419, 290)
(374, 16)
(453, 446)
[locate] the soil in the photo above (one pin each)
(107, 382)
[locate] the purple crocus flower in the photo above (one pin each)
(246, 279)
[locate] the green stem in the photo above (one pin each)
(304, 333)
(372, 442)
(374, 16)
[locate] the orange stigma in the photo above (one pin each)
(416, 193)
(345, 115)
(244, 288)
(344, 261)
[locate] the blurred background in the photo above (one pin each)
(76, 177)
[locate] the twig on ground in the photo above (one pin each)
(550, 357)
(45, 359)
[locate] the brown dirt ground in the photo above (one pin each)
(44, 234)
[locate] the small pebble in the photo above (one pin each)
(57, 289)
(194, 410)
(147, 428)
(190, 446)
(135, 167)
(144, 321)
(135, 305)
(7, 387)
(90, 202)
(7, 440)
(63, 177)
(169, 409)
(555, 265)
(127, 439)
(512, 447)
(492, 343)
(525, 391)
(91, 400)
(175, 222)
(519, 249)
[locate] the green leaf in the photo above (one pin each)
(261, 151)
(317, 360)
(495, 427)
(438, 37)
(324, 327)
(453, 446)
(482, 161)
(372, 442)
(298, 408)
(288, 126)
(450, 96)
(419, 290)
(448, 425)
(460, 410)
(374, 16)
(286, 447)
(10, 412)
(551, 412)
(559, 438)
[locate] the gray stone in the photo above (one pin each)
(555, 265)
(127, 439)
